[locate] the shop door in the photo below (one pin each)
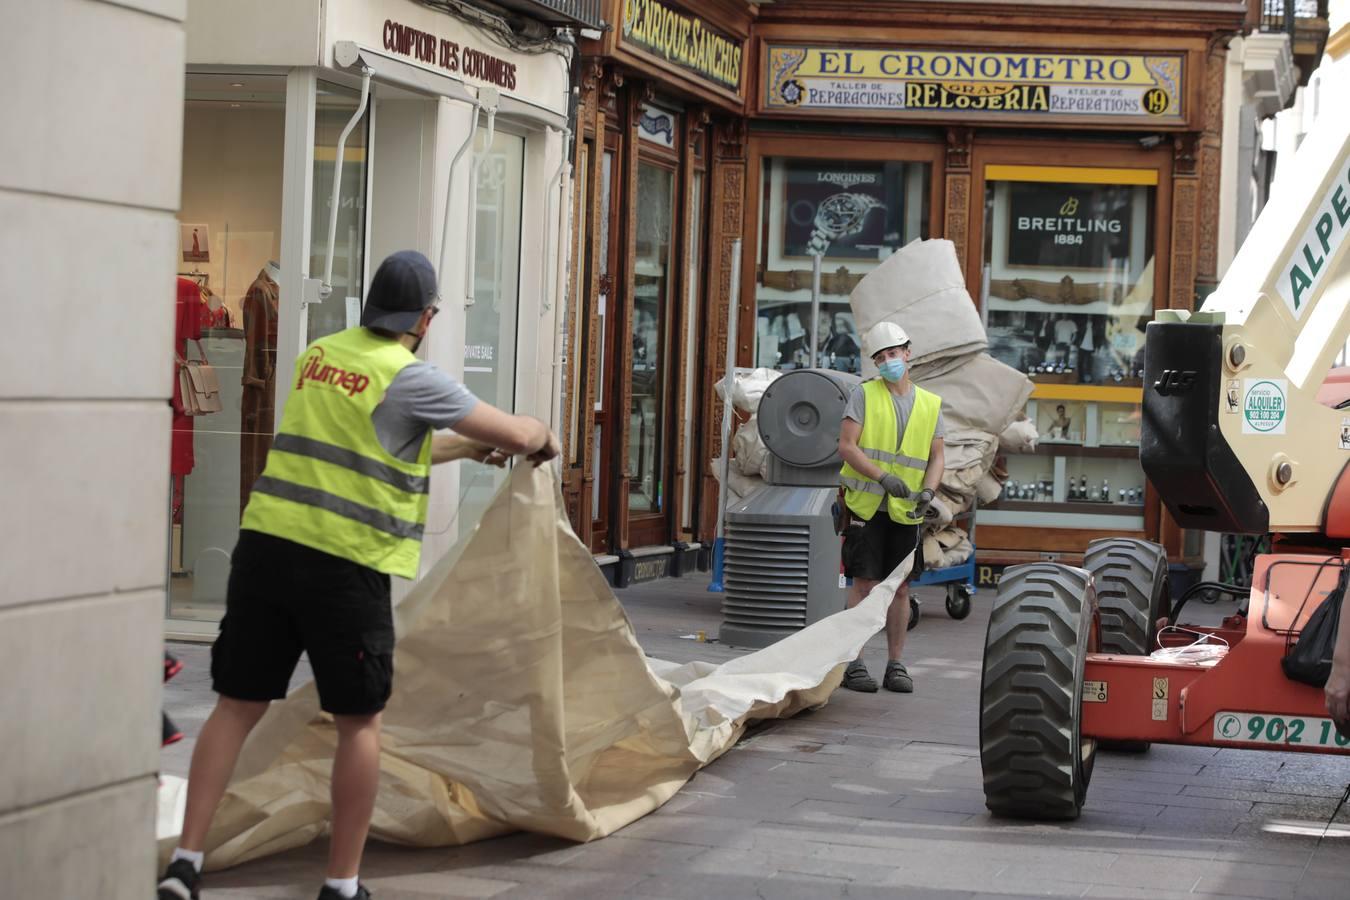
(490, 322)
(647, 454)
(602, 438)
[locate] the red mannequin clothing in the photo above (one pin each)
(187, 327)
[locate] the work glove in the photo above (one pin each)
(922, 502)
(894, 486)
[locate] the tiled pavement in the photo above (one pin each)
(873, 796)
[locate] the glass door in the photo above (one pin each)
(490, 322)
(651, 301)
(602, 438)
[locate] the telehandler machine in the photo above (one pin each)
(1245, 430)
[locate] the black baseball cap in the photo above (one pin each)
(403, 287)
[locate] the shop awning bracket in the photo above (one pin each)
(326, 286)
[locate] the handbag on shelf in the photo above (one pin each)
(198, 385)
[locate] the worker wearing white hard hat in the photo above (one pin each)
(891, 443)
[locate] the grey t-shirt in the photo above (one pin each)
(420, 397)
(856, 409)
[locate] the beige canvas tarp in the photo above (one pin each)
(523, 701)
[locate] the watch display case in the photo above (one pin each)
(1084, 474)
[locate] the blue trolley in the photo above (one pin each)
(959, 579)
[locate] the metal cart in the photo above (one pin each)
(959, 579)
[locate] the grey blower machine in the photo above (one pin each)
(782, 550)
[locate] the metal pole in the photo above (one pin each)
(815, 309)
(326, 286)
(719, 541)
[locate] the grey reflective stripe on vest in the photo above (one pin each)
(349, 459)
(857, 484)
(895, 458)
(298, 493)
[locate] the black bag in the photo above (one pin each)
(1309, 661)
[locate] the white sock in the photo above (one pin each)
(344, 886)
(196, 857)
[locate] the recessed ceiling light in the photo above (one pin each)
(236, 84)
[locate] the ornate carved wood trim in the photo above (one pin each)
(726, 222)
(959, 142)
(1185, 154)
(1185, 193)
(594, 347)
(956, 225)
(1209, 165)
(686, 308)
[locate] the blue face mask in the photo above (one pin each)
(892, 369)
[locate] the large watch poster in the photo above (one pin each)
(840, 210)
(1067, 226)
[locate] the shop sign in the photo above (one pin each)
(976, 84)
(450, 56)
(1264, 407)
(988, 575)
(1320, 241)
(684, 40)
(1067, 226)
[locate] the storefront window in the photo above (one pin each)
(227, 307)
(342, 309)
(852, 214)
(490, 321)
(654, 206)
(1069, 275)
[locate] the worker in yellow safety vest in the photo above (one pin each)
(891, 443)
(341, 506)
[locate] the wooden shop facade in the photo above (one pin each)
(1070, 151)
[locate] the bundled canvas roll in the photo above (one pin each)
(982, 394)
(920, 287)
(938, 515)
(1019, 437)
(748, 453)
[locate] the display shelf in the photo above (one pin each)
(1073, 507)
(1111, 452)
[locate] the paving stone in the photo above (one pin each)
(1224, 886)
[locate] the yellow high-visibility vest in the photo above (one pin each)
(879, 442)
(329, 483)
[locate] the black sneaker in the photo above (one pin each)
(181, 881)
(857, 678)
(897, 678)
(331, 893)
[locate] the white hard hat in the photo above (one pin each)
(883, 336)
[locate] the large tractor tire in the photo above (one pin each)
(1132, 592)
(1044, 623)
